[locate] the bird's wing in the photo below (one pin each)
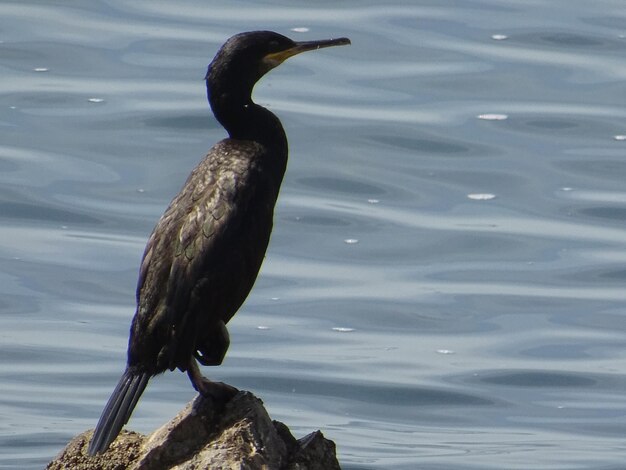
(192, 232)
(204, 231)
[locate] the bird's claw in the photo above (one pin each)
(218, 391)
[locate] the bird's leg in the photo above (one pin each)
(212, 350)
(218, 391)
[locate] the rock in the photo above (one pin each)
(237, 435)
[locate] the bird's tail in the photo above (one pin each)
(118, 409)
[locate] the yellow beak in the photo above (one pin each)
(277, 58)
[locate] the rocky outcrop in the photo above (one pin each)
(238, 435)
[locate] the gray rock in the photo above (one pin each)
(238, 435)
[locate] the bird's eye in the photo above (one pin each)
(273, 45)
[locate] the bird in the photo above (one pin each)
(205, 252)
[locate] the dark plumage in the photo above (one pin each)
(206, 250)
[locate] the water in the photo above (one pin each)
(445, 284)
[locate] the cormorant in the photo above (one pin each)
(206, 250)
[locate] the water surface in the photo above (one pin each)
(445, 283)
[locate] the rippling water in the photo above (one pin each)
(445, 284)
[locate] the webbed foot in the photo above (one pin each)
(218, 391)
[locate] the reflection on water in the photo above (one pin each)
(444, 287)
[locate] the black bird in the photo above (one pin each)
(206, 250)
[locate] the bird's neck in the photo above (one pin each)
(244, 119)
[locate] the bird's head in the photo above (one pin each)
(246, 57)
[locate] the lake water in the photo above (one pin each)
(445, 285)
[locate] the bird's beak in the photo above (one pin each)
(276, 58)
